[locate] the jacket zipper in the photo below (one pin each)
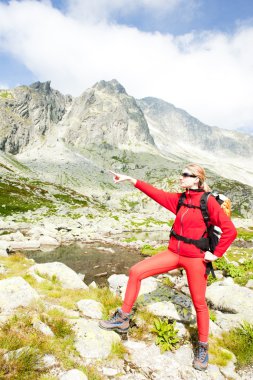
(181, 221)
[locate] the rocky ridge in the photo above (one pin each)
(61, 138)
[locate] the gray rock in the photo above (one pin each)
(92, 342)
(90, 308)
(148, 285)
(168, 366)
(68, 278)
(164, 309)
(42, 327)
(27, 244)
(48, 240)
(231, 298)
(15, 292)
(49, 361)
(249, 284)
(110, 372)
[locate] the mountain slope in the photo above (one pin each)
(177, 133)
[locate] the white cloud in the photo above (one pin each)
(106, 9)
(3, 86)
(209, 75)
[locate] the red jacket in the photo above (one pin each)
(189, 222)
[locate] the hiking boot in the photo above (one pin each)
(201, 357)
(119, 322)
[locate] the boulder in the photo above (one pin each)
(118, 284)
(168, 366)
(48, 240)
(69, 279)
(231, 298)
(15, 292)
(27, 244)
(90, 308)
(91, 341)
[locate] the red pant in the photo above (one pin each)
(163, 262)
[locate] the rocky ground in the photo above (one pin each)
(33, 284)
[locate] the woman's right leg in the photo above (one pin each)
(160, 263)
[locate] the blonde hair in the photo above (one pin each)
(201, 174)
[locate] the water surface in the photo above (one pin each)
(97, 261)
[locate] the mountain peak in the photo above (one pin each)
(42, 86)
(112, 86)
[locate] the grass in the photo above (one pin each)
(118, 350)
(18, 197)
(6, 95)
(148, 250)
(52, 290)
(149, 221)
(245, 234)
(239, 341)
(18, 332)
(17, 265)
(145, 321)
(218, 355)
(130, 240)
(212, 315)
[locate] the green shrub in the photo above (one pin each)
(167, 338)
(241, 273)
(212, 315)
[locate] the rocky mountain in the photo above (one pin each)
(168, 123)
(176, 133)
(75, 141)
(105, 113)
(26, 114)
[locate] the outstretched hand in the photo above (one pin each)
(117, 177)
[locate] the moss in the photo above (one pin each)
(18, 197)
(6, 94)
(72, 200)
(16, 264)
(212, 315)
(130, 240)
(148, 250)
(236, 341)
(219, 355)
(244, 234)
(149, 221)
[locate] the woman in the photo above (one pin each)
(189, 223)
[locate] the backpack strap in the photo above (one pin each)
(204, 208)
(181, 201)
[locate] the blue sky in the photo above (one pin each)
(196, 54)
(202, 15)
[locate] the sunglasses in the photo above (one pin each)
(185, 175)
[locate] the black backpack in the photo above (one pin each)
(213, 232)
